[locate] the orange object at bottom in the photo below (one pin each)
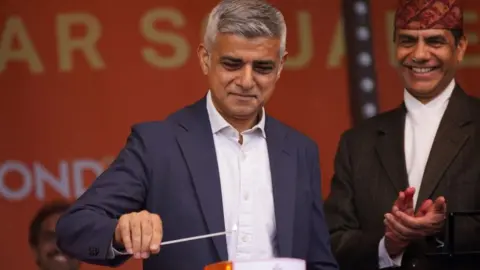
(273, 263)
(219, 266)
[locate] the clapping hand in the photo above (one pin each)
(394, 242)
(429, 220)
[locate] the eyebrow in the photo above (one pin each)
(427, 38)
(405, 36)
(231, 59)
(436, 38)
(238, 60)
(264, 62)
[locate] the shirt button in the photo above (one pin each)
(245, 196)
(245, 238)
(414, 263)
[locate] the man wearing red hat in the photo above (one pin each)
(398, 173)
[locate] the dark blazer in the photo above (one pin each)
(370, 171)
(170, 168)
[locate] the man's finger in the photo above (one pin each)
(438, 221)
(409, 198)
(136, 229)
(440, 205)
(157, 235)
(392, 232)
(396, 228)
(400, 199)
(409, 192)
(124, 226)
(146, 226)
(409, 221)
(404, 200)
(424, 208)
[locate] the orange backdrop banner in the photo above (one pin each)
(75, 75)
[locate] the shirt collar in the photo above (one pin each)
(412, 103)
(218, 123)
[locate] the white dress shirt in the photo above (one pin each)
(421, 125)
(246, 187)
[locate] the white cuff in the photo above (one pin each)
(112, 252)
(384, 260)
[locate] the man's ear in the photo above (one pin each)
(282, 63)
(462, 48)
(203, 58)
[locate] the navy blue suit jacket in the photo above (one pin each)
(170, 168)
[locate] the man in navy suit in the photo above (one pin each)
(221, 164)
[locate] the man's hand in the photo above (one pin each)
(429, 220)
(140, 233)
(394, 244)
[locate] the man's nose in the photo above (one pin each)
(245, 79)
(421, 53)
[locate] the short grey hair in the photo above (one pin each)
(247, 18)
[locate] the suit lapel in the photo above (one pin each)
(449, 140)
(390, 148)
(283, 170)
(196, 142)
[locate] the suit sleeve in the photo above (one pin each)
(87, 229)
(353, 247)
(320, 256)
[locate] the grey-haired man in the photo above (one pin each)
(221, 164)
